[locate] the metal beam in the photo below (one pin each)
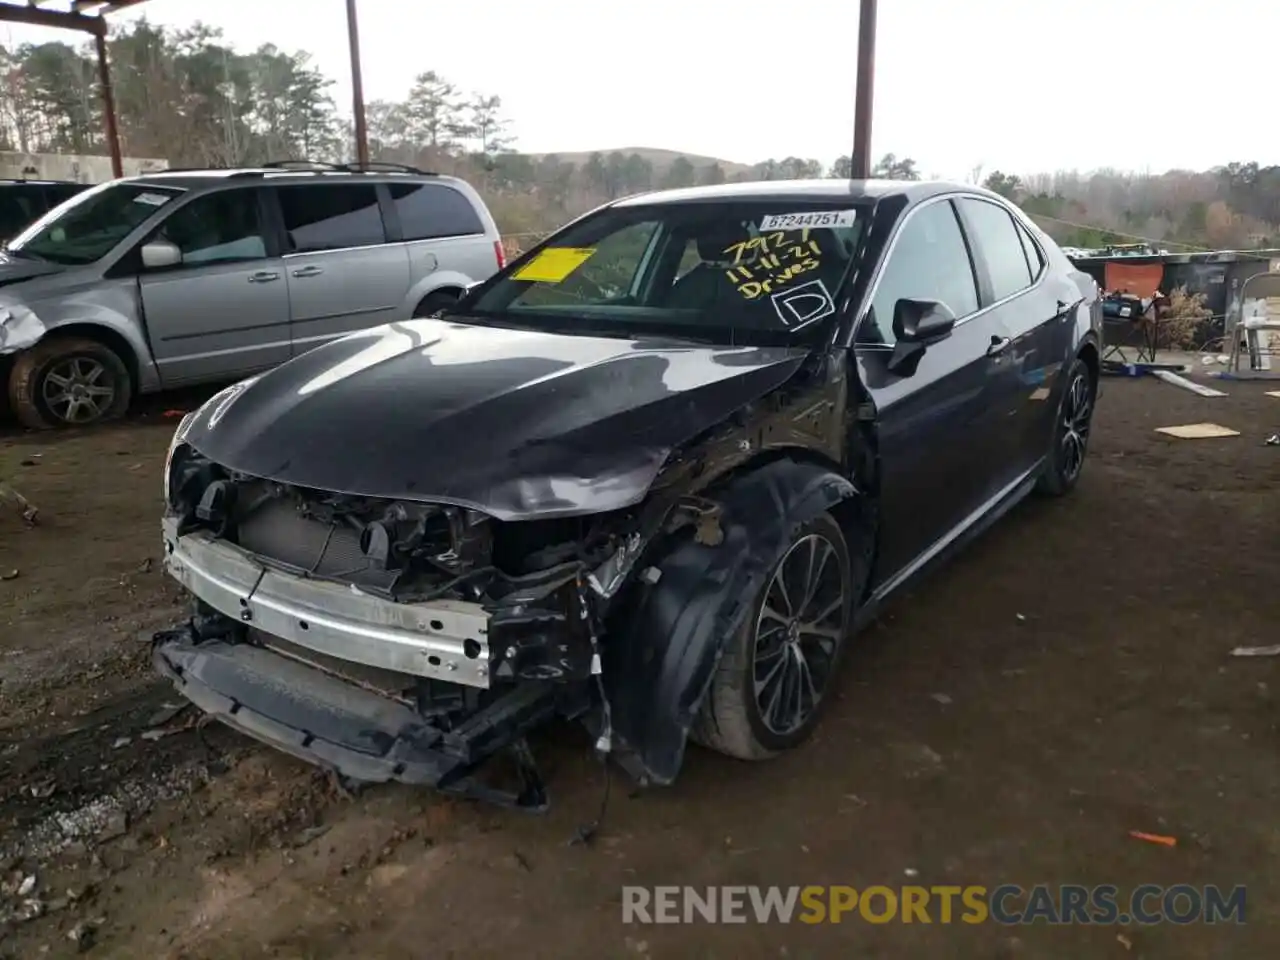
(357, 86)
(36, 17)
(865, 96)
(109, 106)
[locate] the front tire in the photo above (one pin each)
(773, 678)
(68, 382)
(433, 303)
(1071, 429)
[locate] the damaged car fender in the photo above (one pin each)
(668, 636)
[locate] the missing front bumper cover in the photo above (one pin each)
(353, 731)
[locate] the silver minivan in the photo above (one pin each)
(184, 277)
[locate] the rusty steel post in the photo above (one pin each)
(108, 102)
(864, 98)
(357, 86)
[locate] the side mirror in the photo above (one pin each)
(916, 325)
(921, 321)
(159, 254)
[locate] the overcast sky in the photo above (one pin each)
(1017, 85)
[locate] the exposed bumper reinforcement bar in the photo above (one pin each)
(358, 734)
(444, 640)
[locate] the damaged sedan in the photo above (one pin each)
(651, 477)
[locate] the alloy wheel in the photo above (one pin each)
(78, 390)
(1077, 413)
(798, 632)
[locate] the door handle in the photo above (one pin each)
(308, 271)
(263, 276)
(998, 346)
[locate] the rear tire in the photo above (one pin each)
(1072, 425)
(775, 675)
(432, 303)
(68, 382)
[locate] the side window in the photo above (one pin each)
(18, 207)
(1034, 257)
(997, 238)
(331, 217)
(217, 228)
(428, 211)
(929, 261)
(55, 193)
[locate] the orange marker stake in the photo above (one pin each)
(1154, 838)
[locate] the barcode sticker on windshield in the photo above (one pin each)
(818, 218)
(152, 199)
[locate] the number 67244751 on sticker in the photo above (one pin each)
(817, 218)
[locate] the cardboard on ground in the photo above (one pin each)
(1198, 431)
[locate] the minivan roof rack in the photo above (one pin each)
(386, 165)
(323, 166)
(305, 164)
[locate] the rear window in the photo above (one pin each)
(331, 217)
(731, 271)
(429, 211)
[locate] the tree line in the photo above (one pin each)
(189, 97)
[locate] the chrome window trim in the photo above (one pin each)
(874, 287)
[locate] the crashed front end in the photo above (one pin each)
(391, 640)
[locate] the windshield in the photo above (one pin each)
(89, 225)
(737, 271)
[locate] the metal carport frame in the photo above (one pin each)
(89, 16)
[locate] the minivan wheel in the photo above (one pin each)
(435, 302)
(68, 382)
(1071, 429)
(773, 679)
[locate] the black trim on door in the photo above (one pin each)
(273, 221)
(391, 226)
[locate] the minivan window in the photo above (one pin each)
(997, 238)
(428, 211)
(331, 217)
(732, 272)
(91, 224)
(928, 261)
(217, 228)
(55, 193)
(18, 207)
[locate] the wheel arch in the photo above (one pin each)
(666, 637)
(111, 339)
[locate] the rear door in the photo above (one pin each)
(935, 425)
(443, 235)
(1011, 270)
(224, 311)
(343, 274)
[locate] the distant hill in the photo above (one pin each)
(660, 158)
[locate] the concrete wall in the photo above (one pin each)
(58, 166)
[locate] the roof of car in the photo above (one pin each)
(36, 182)
(802, 190)
(194, 179)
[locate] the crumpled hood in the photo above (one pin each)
(14, 269)
(514, 423)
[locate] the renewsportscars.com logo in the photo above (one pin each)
(1006, 904)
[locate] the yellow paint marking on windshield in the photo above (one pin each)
(554, 264)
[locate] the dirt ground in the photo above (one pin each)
(1065, 682)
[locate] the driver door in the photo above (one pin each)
(936, 425)
(224, 311)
